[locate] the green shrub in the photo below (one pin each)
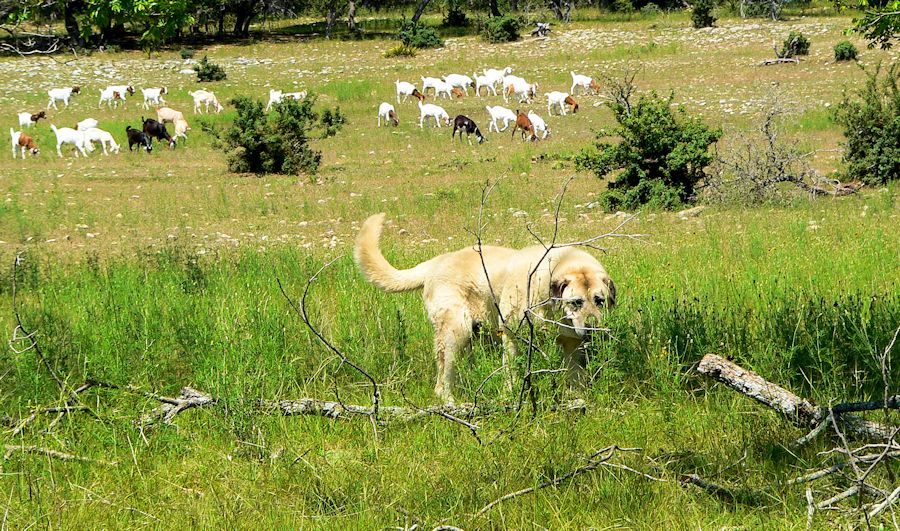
(871, 121)
(845, 51)
(186, 53)
(455, 17)
(278, 142)
(701, 15)
(661, 156)
(207, 71)
(401, 50)
(623, 6)
(501, 29)
(650, 10)
(420, 36)
(795, 44)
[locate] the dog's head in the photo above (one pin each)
(582, 294)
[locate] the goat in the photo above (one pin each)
(486, 82)
(86, 124)
(540, 126)
(496, 76)
(111, 96)
(386, 112)
(465, 124)
(22, 141)
(207, 98)
(524, 91)
(430, 109)
(138, 137)
(26, 119)
(523, 123)
(509, 80)
(294, 95)
(406, 90)
(181, 129)
(61, 94)
(442, 88)
(123, 90)
(560, 99)
(277, 96)
(585, 82)
(104, 137)
(456, 92)
(157, 130)
(153, 96)
(459, 81)
(500, 113)
(167, 114)
(67, 135)
(430, 82)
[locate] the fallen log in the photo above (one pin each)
(800, 411)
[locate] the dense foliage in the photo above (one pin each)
(661, 155)
(845, 51)
(701, 15)
(871, 121)
(207, 71)
(420, 36)
(501, 29)
(276, 143)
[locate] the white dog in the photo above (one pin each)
(565, 286)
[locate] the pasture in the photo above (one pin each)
(159, 271)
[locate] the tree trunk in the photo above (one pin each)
(351, 16)
(495, 9)
(420, 8)
(330, 20)
(220, 30)
(513, 6)
(71, 23)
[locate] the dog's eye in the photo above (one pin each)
(599, 301)
(577, 303)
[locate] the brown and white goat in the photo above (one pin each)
(524, 123)
(22, 141)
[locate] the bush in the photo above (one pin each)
(662, 154)
(186, 53)
(456, 17)
(701, 15)
(795, 44)
(650, 10)
(845, 51)
(207, 71)
(420, 36)
(401, 50)
(871, 121)
(501, 29)
(279, 142)
(623, 6)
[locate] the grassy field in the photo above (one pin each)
(159, 271)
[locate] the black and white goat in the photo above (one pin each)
(157, 130)
(465, 124)
(138, 137)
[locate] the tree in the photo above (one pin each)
(878, 25)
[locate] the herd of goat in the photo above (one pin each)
(86, 132)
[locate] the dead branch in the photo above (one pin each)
(713, 488)
(173, 406)
(443, 414)
(55, 454)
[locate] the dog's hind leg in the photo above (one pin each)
(452, 334)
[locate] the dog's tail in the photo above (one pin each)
(376, 268)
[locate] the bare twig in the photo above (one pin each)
(441, 413)
(55, 454)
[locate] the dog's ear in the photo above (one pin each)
(557, 287)
(611, 300)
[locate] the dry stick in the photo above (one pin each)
(302, 313)
(876, 510)
(472, 427)
(714, 488)
(810, 508)
(29, 449)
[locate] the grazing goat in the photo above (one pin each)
(167, 114)
(525, 92)
(430, 82)
(406, 90)
(430, 109)
(460, 81)
(67, 135)
(181, 129)
(386, 112)
(500, 113)
(123, 90)
(138, 137)
(523, 123)
(277, 96)
(153, 96)
(86, 124)
(104, 137)
(585, 82)
(465, 124)
(22, 141)
(509, 80)
(486, 82)
(205, 97)
(560, 99)
(26, 119)
(61, 94)
(111, 97)
(496, 76)
(157, 130)
(540, 126)
(442, 88)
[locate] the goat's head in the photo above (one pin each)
(76, 89)
(38, 116)
(419, 95)
(130, 90)
(595, 86)
(164, 90)
(393, 117)
(571, 101)
(457, 92)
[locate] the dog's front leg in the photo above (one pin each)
(509, 359)
(575, 359)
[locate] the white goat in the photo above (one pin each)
(67, 135)
(104, 137)
(585, 82)
(508, 81)
(388, 114)
(277, 96)
(111, 96)
(406, 90)
(430, 109)
(430, 82)
(523, 91)
(496, 76)
(500, 113)
(181, 129)
(441, 87)
(540, 126)
(205, 97)
(459, 81)
(556, 98)
(87, 123)
(153, 96)
(167, 114)
(484, 81)
(61, 94)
